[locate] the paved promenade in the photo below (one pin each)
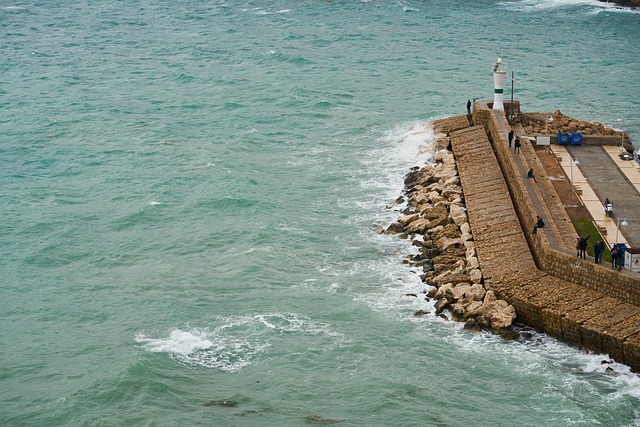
(600, 174)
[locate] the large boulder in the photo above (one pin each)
(472, 263)
(446, 158)
(435, 212)
(496, 314)
(472, 309)
(451, 193)
(457, 215)
(449, 230)
(448, 276)
(395, 228)
(476, 276)
(441, 305)
(475, 293)
(454, 180)
(407, 219)
(418, 226)
(444, 289)
(445, 172)
(445, 242)
(503, 318)
(459, 291)
(442, 141)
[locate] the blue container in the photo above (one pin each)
(563, 138)
(576, 138)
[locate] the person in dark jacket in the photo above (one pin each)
(582, 247)
(516, 145)
(614, 256)
(539, 224)
(620, 258)
(598, 250)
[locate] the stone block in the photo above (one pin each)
(632, 352)
(552, 322)
(571, 332)
(591, 338)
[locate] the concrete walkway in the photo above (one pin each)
(553, 234)
(598, 174)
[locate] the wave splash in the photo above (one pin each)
(232, 342)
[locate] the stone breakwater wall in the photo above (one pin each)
(436, 220)
(550, 290)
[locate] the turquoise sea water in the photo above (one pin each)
(190, 189)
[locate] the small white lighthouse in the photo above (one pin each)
(498, 85)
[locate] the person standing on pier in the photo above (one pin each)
(510, 137)
(620, 258)
(468, 106)
(598, 249)
(582, 247)
(516, 145)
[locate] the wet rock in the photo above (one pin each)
(408, 219)
(441, 306)
(458, 311)
(419, 226)
(395, 228)
(472, 325)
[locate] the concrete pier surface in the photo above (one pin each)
(599, 174)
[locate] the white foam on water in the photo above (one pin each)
(409, 142)
(231, 343)
(539, 5)
(179, 341)
(571, 369)
(204, 348)
(396, 152)
(388, 280)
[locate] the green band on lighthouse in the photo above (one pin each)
(498, 90)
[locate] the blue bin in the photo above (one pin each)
(576, 138)
(563, 138)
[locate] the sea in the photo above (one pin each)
(190, 192)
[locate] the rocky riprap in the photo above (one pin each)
(435, 219)
(537, 123)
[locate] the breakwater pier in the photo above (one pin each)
(588, 305)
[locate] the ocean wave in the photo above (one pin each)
(233, 342)
(539, 5)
